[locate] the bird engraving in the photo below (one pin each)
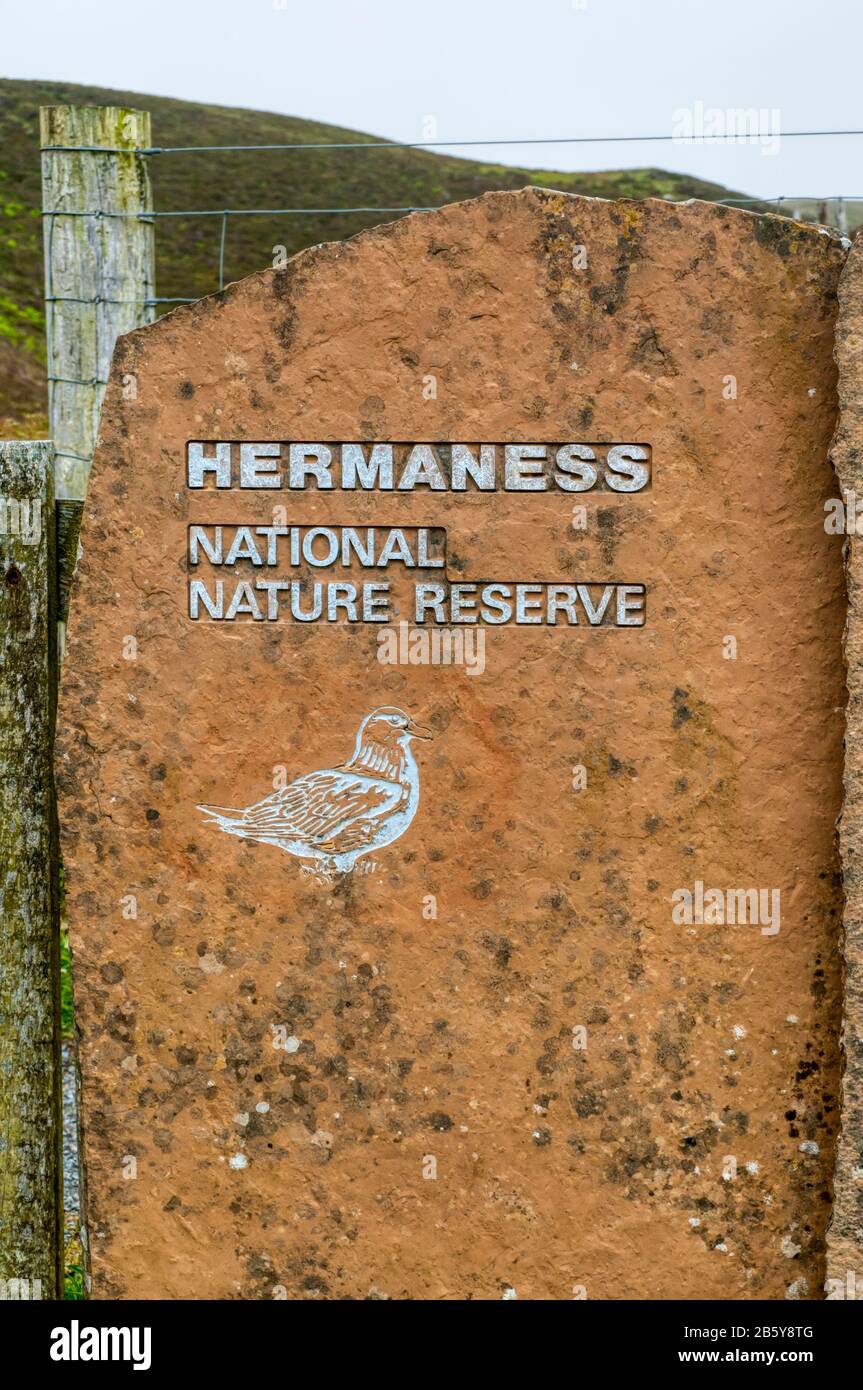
(338, 814)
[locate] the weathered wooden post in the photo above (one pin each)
(99, 265)
(30, 1130)
(99, 282)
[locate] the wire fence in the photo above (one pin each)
(817, 207)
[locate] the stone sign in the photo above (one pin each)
(451, 745)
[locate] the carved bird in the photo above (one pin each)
(337, 814)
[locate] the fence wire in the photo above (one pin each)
(744, 138)
(225, 214)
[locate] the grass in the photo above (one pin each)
(187, 251)
(73, 1276)
(67, 1010)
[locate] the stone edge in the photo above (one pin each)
(845, 1232)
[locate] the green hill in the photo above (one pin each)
(187, 251)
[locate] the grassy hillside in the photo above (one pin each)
(187, 251)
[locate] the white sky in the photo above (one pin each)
(483, 68)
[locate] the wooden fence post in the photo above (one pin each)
(99, 265)
(30, 1129)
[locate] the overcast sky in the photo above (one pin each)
(486, 68)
